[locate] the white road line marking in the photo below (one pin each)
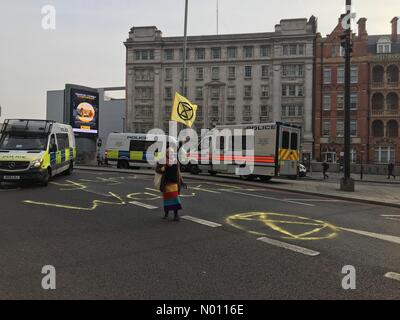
(144, 205)
(289, 246)
(314, 200)
(270, 198)
(391, 215)
(394, 219)
(201, 221)
(384, 237)
(393, 275)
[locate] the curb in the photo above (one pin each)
(247, 183)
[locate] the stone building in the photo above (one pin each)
(384, 96)
(329, 95)
(234, 78)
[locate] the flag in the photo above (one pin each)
(183, 110)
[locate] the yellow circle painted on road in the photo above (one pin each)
(285, 226)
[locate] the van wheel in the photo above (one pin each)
(46, 178)
(123, 164)
(265, 178)
(248, 178)
(70, 169)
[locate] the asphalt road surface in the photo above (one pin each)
(105, 236)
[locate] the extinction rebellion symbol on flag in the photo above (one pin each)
(185, 111)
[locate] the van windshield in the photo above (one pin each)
(23, 142)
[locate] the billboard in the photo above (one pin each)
(84, 106)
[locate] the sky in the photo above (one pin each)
(87, 48)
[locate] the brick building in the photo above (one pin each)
(329, 96)
(384, 50)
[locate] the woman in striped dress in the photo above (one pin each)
(171, 185)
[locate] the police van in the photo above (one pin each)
(276, 151)
(35, 150)
(126, 150)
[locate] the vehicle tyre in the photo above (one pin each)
(70, 169)
(123, 164)
(248, 178)
(46, 178)
(265, 178)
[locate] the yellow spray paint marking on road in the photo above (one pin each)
(95, 204)
(284, 225)
(70, 186)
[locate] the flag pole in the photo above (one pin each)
(184, 49)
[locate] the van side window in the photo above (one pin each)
(285, 140)
(140, 145)
(293, 141)
(52, 144)
(63, 141)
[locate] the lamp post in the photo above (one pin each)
(346, 183)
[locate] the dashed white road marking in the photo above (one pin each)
(384, 237)
(391, 215)
(270, 198)
(289, 246)
(143, 205)
(201, 221)
(393, 276)
(315, 200)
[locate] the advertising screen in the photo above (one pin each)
(85, 111)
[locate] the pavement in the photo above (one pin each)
(376, 192)
(103, 233)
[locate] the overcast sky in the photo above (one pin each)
(87, 46)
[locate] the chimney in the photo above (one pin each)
(362, 27)
(394, 29)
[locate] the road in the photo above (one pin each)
(104, 235)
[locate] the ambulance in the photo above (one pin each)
(35, 150)
(129, 150)
(276, 151)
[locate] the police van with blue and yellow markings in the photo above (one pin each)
(126, 150)
(35, 150)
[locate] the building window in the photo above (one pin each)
(264, 111)
(215, 93)
(392, 101)
(169, 54)
(291, 110)
(248, 71)
(393, 74)
(265, 71)
(231, 92)
(353, 128)
(265, 51)
(144, 75)
(248, 52)
(340, 74)
(200, 53)
(232, 52)
(216, 53)
(392, 129)
(384, 155)
(293, 70)
(340, 101)
(247, 115)
(292, 90)
(144, 54)
(335, 50)
(247, 92)
(354, 74)
(199, 73)
(230, 112)
(215, 112)
(168, 74)
(231, 73)
(199, 93)
(327, 75)
(384, 45)
(264, 91)
(326, 128)
(143, 112)
(293, 49)
(327, 102)
(168, 93)
(377, 129)
(144, 93)
(186, 74)
(215, 73)
(353, 101)
(340, 128)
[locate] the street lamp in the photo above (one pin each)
(346, 183)
(362, 164)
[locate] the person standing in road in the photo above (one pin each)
(170, 185)
(325, 168)
(391, 170)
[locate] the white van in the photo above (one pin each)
(35, 150)
(125, 150)
(276, 151)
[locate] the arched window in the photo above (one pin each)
(393, 73)
(384, 45)
(392, 101)
(377, 101)
(377, 129)
(392, 129)
(377, 74)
